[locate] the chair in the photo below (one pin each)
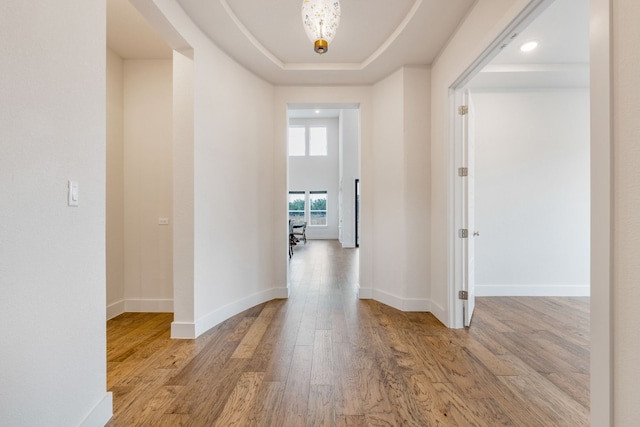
(292, 239)
(300, 230)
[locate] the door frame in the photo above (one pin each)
(457, 153)
(356, 194)
(600, 15)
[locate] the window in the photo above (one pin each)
(297, 141)
(317, 208)
(297, 206)
(318, 141)
(308, 141)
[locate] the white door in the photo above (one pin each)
(468, 187)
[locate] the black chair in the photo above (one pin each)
(292, 239)
(300, 230)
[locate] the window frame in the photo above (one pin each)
(307, 139)
(325, 210)
(304, 199)
(304, 142)
(326, 140)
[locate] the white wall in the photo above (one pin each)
(319, 173)
(626, 208)
(148, 254)
(183, 200)
(389, 227)
(417, 175)
(115, 184)
(52, 257)
(232, 175)
(401, 170)
(532, 192)
(349, 171)
(139, 185)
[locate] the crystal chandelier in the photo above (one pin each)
(321, 19)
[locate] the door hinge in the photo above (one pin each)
(463, 110)
(463, 171)
(463, 295)
(463, 233)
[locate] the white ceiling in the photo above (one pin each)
(130, 36)
(560, 60)
(375, 38)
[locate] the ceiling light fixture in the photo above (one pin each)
(321, 19)
(529, 46)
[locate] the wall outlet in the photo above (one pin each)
(163, 221)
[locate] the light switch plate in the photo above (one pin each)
(72, 193)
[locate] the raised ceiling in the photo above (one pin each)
(375, 38)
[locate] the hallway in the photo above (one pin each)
(322, 357)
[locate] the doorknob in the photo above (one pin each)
(476, 233)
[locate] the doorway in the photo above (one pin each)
(323, 160)
(600, 224)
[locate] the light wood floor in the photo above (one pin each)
(324, 358)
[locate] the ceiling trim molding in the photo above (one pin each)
(254, 41)
(309, 66)
(401, 27)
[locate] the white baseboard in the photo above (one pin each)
(115, 309)
(139, 306)
(365, 293)
(101, 413)
(532, 290)
(402, 304)
(183, 330)
(186, 330)
(148, 305)
(440, 313)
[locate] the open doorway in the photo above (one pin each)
(532, 155)
(545, 157)
(323, 161)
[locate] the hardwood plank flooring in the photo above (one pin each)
(324, 358)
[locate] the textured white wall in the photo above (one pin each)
(232, 172)
(115, 184)
(183, 200)
(401, 201)
(317, 173)
(532, 192)
(417, 178)
(52, 257)
(626, 211)
(388, 187)
(148, 260)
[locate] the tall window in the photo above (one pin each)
(308, 141)
(317, 208)
(318, 141)
(297, 141)
(297, 206)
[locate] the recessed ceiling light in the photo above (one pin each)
(317, 111)
(529, 46)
